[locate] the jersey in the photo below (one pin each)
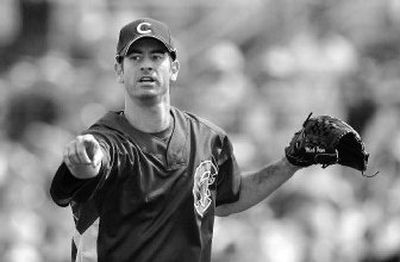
(153, 200)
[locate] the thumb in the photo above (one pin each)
(91, 146)
(93, 150)
(97, 156)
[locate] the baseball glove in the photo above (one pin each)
(327, 140)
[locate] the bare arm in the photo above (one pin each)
(256, 186)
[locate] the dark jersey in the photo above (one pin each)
(154, 199)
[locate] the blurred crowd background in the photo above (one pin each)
(257, 68)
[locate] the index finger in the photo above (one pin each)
(81, 152)
(91, 145)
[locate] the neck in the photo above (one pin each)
(148, 118)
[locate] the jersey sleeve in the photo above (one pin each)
(229, 178)
(66, 188)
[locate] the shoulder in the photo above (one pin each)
(199, 122)
(107, 127)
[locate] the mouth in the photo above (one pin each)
(147, 80)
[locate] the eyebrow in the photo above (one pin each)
(156, 51)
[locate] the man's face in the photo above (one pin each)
(147, 70)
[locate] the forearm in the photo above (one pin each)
(256, 186)
(65, 185)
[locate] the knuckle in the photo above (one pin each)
(87, 137)
(80, 139)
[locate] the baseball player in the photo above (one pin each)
(144, 184)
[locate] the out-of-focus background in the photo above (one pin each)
(256, 68)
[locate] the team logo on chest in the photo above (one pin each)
(204, 176)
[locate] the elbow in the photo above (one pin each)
(223, 211)
(226, 209)
(58, 198)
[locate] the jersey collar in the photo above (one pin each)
(176, 147)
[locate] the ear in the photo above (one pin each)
(119, 72)
(175, 65)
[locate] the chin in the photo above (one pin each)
(149, 99)
(148, 96)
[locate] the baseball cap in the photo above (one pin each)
(144, 27)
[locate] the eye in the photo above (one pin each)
(135, 57)
(158, 56)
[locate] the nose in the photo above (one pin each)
(146, 65)
(146, 68)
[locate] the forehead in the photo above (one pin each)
(147, 43)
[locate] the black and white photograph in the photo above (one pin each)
(200, 131)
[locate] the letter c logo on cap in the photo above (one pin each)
(144, 28)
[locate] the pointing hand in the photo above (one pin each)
(83, 156)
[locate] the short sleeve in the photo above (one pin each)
(229, 178)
